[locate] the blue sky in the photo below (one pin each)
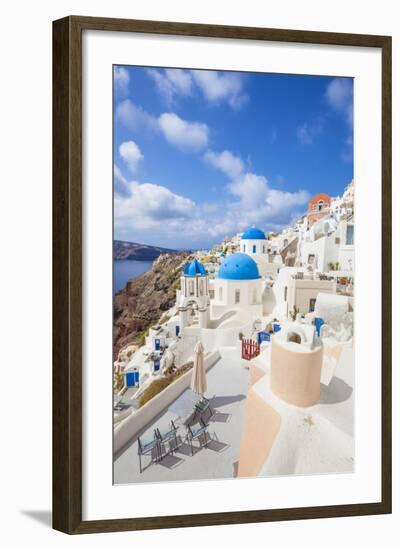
(201, 155)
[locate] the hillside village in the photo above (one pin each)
(277, 306)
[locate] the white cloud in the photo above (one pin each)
(226, 161)
(171, 82)
(221, 86)
(135, 118)
(251, 200)
(120, 183)
(261, 204)
(307, 133)
(131, 154)
(187, 136)
(154, 213)
(304, 135)
(347, 153)
(121, 80)
(147, 205)
(215, 86)
(340, 97)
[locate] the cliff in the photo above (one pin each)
(124, 250)
(144, 300)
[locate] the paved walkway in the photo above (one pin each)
(227, 387)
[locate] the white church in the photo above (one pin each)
(236, 300)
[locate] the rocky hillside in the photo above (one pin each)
(145, 299)
(124, 250)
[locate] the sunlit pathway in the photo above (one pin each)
(227, 388)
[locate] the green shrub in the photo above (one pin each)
(294, 312)
(164, 319)
(118, 381)
(160, 384)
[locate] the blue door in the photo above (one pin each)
(254, 248)
(177, 330)
(157, 345)
(318, 324)
(263, 337)
(156, 365)
(130, 379)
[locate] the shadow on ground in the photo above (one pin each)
(40, 516)
(336, 392)
(217, 401)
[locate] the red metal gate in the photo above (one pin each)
(250, 349)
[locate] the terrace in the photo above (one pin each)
(227, 384)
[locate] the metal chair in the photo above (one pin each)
(168, 438)
(149, 447)
(190, 418)
(196, 431)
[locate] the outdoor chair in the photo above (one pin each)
(150, 447)
(190, 418)
(168, 438)
(204, 409)
(197, 430)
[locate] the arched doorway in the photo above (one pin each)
(294, 337)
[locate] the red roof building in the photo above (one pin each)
(318, 207)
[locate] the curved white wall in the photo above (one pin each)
(213, 339)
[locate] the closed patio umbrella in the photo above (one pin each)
(198, 381)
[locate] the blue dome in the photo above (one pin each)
(253, 233)
(194, 268)
(239, 267)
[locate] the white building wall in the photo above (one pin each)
(325, 250)
(346, 255)
(307, 290)
(284, 279)
(225, 296)
(299, 291)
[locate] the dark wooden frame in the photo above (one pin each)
(67, 263)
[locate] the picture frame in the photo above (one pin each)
(68, 261)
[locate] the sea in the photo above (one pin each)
(124, 270)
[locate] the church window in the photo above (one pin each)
(237, 296)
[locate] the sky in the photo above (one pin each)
(201, 155)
